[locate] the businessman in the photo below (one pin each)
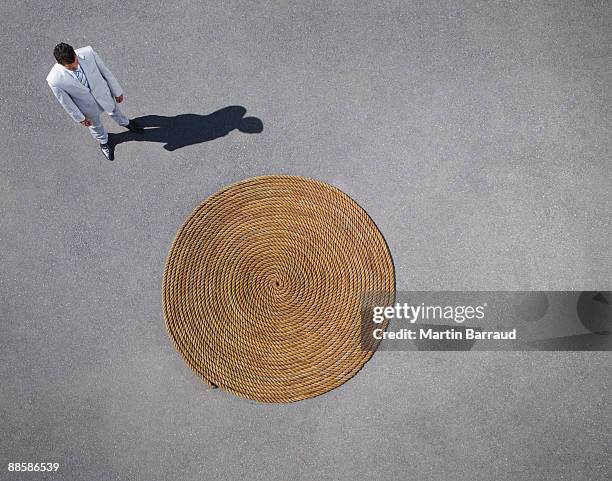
(84, 86)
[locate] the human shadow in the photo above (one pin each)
(189, 129)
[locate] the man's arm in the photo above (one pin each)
(69, 106)
(114, 86)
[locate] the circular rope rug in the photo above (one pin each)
(263, 286)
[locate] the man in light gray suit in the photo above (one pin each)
(84, 86)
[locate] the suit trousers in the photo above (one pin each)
(98, 131)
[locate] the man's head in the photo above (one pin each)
(65, 55)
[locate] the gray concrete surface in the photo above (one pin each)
(476, 134)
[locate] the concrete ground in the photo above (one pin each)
(476, 135)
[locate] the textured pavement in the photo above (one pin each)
(476, 135)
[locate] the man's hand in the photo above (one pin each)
(86, 123)
(119, 99)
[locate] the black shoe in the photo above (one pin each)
(134, 127)
(108, 151)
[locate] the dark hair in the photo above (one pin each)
(64, 53)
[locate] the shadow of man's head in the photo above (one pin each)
(232, 117)
(250, 125)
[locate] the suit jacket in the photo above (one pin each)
(79, 101)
